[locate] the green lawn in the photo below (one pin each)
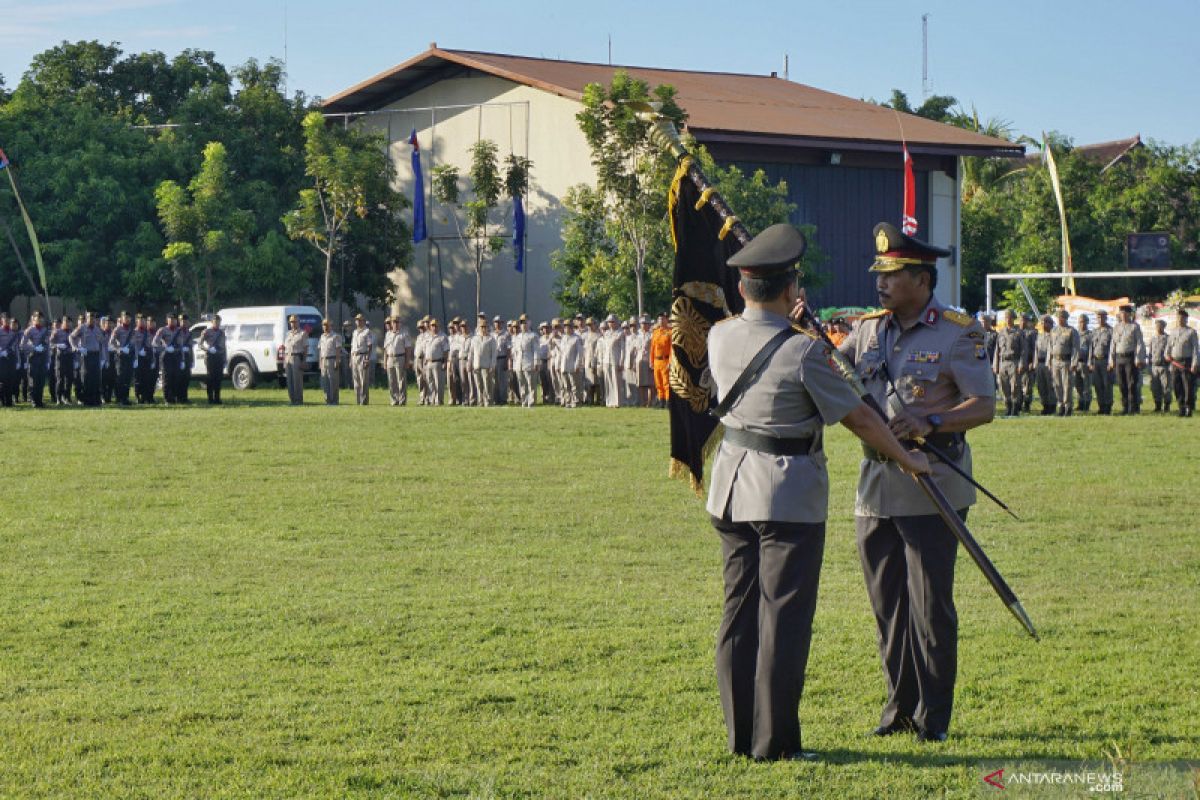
(264, 601)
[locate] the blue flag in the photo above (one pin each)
(418, 190)
(519, 232)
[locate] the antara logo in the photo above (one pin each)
(995, 779)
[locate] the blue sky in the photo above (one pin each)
(1095, 70)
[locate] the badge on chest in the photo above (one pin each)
(924, 357)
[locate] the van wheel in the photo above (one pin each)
(242, 376)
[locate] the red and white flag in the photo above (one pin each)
(909, 223)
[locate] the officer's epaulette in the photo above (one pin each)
(809, 333)
(958, 318)
(875, 314)
(727, 319)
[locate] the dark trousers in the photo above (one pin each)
(1127, 380)
(183, 378)
(8, 380)
(37, 379)
(124, 377)
(771, 574)
(108, 378)
(1184, 383)
(170, 376)
(214, 367)
(64, 374)
(91, 378)
(908, 563)
(144, 376)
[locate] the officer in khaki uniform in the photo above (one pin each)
(1160, 368)
(1081, 376)
(395, 354)
(212, 344)
(436, 348)
(295, 350)
(1029, 380)
(1009, 363)
(1102, 375)
(1183, 351)
(1064, 357)
(926, 365)
(330, 353)
(361, 345)
(769, 493)
(1127, 357)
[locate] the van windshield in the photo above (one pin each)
(310, 323)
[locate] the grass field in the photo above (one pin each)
(264, 601)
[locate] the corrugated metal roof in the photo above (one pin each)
(720, 105)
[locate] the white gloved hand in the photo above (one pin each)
(141, 352)
(125, 349)
(39, 349)
(212, 349)
(170, 349)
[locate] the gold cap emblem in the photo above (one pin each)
(881, 242)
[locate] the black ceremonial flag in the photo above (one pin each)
(704, 292)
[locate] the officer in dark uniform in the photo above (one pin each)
(769, 493)
(927, 366)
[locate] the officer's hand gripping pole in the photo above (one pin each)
(664, 134)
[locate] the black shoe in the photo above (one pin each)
(799, 755)
(899, 726)
(931, 736)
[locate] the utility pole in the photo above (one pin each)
(925, 55)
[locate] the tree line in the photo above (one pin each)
(180, 183)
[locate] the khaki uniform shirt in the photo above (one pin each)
(362, 343)
(1064, 345)
(1010, 347)
(935, 365)
(1183, 348)
(1102, 344)
(797, 394)
(330, 345)
(295, 343)
(1127, 342)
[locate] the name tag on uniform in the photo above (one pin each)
(924, 357)
(981, 351)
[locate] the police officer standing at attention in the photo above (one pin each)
(361, 345)
(1127, 358)
(329, 357)
(1183, 351)
(36, 344)
(1064, 355)
(1009, 364)
(93, 348)
(927, 366)
(769, 493)
(1160, 372)
(1102, 377)
(121, 353)
(295, 350)
(1081, 375)
(212, 343)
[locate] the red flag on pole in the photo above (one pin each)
(909, 223)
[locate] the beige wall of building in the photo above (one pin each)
(449, 117)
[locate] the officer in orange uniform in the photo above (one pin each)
(660, 359)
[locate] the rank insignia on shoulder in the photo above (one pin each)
(876, 314)
(975, 335)
(981, 351)
(924, 357)
(958, 318)
(931, 316)
(727, 319)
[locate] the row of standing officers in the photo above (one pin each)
(573, 362)
(101, 360)
(1066, 364)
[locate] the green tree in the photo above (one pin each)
(630, 174)
(204, 231)
(593, 265)
(479, 237)
(351, 183)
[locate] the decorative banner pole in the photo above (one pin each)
(33, 240)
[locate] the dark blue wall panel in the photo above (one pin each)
(845, 203)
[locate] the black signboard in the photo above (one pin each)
(1148, 251)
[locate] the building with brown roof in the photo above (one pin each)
(840, 157)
